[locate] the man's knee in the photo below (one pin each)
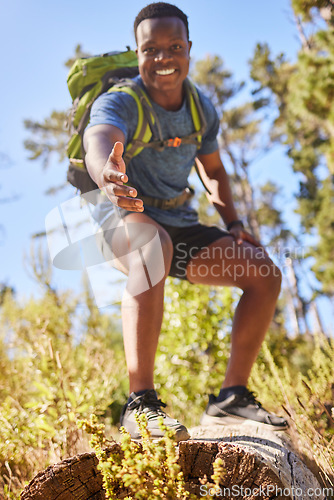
(259, 270)
(155, 252)
(271, 275)
(277, 277)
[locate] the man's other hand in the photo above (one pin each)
(240, 235)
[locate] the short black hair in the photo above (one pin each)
(160, 9)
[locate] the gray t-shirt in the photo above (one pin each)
(157, 174)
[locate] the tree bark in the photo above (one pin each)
(254, 457)
(257, 464)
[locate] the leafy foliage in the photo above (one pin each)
(130, 471)
(131, 468)
(308, 400)
(308, 9)
(49, 378)
(193, 347)
(49, 137)
(60, 363)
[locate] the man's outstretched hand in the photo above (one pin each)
(114, 179)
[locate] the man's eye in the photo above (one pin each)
(149, 50)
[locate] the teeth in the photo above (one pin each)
(164, 72)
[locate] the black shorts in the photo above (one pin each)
(187, 242)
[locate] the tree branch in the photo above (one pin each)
(304, 40)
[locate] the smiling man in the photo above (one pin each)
(148, 200)
(163, 59)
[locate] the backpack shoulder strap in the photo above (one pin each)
(148, 124)
(196, 111)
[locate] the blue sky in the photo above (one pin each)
(37, 37)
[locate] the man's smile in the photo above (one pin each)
(165, 72)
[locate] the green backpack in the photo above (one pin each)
(113, 72)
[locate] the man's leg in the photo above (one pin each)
(142, 305)
(250, 269)
(144, 252)
(227, 264)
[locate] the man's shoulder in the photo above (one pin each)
(205, 101)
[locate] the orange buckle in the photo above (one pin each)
(174, 143)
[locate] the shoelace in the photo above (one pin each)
(151, 406)
(250, 397)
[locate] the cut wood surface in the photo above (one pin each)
(254, 456)
(257, 463)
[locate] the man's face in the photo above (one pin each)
(163, 55)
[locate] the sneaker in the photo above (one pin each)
(149, 404)
(240, 409)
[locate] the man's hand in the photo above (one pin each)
(240, 235)
(113, 179)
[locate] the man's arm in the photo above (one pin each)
(104, 146)
(215, 178)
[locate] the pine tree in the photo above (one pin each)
(302, 95)
(50, 137)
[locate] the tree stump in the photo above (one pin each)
(257, 464)
(72, 478)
